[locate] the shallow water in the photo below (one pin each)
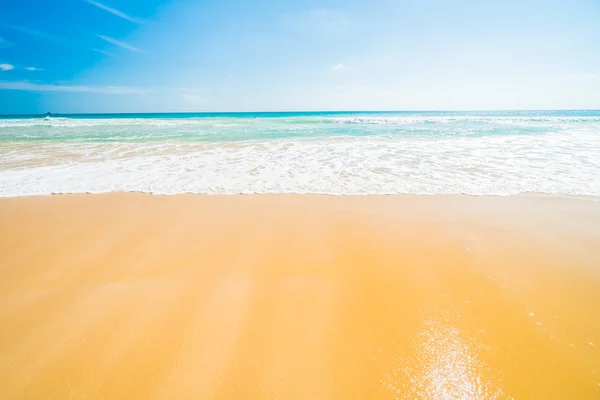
(475, 153)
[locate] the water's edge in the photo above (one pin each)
(476, 153)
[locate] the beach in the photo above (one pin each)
(130, 295)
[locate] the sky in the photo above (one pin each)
(88, 56)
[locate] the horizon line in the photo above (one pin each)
(298, 112)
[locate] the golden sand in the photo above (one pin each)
(131, 296)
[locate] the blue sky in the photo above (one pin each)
(234, 55)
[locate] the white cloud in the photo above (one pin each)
(321, 21)
(192, 98)
(39, 34)
(40, 87)
(104, 52)
(118, 43)
(114, 11)
(4, 44)
(584, 77)
(6, 67)
(339, 67)
(33, 69)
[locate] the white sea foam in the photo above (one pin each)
(99, 122)
(567, 162)
(421, 119)
(367, 119)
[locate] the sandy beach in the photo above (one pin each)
(134, 296)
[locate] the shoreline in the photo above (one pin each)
(342, 195)
(299, 296)
(359, 154)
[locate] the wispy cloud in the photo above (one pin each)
(40, 87)
(6, 67)
(584, 77)
(4, 44)
(118, 43)
(320, 21)
(192, 98)
(39, 34)
(339, 67)
(104, 52)
(33, 69)
(114, 11)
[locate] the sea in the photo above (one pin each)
(336, 153)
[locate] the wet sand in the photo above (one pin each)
(132, 296)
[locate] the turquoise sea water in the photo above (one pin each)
(263, 125)
(499, 152)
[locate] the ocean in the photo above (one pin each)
(352, 153)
